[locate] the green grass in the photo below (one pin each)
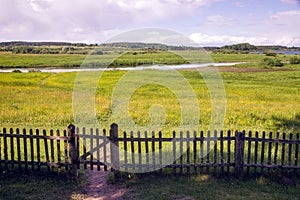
(208, 187)
(52, 186)
(255, 101)
(8, 60)
(40, 186)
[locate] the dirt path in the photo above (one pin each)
(99, 189)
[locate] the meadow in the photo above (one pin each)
(124, 59)
(255, 100)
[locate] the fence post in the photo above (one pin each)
(239, 154)
(73, 150)
(114, 150)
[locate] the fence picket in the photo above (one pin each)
(58, 151)
(125, 152)
(38, 150)
(77, 145)
(270, 150)
(222, 151)
(65, 151)
(18, 150)
(195, 151)
(139, 151)
(25, 150)
(276, 149)
(174, 152)
(160, 150)
(208, 152)
(296, 151)
(32, 150)
(5, 149)
(84, 145)
(132, 151)
(255, 152)
(228, 150)
(12, 152)
(105, 150)
(147, 151)
(46, 149)
(201, 151)
(52, 150)
(153, 150)
(181, 152)
(90, 148)
(283, 151)
(98, 150)
(188, 151)
(290, 151)
(262, 151)
(249, 152)
(215, 151)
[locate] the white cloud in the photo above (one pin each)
(39, 5)
(285, 23)
(218, 20)
(239, 4)
(62, 20)
(219, 40)
(292, 2)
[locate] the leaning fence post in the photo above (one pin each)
(73, 150)
(114, 150)
(239, 154)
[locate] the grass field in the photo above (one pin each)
(255, 101)
(260, 101)
(152, 187)
(8, 60)
(40, 186)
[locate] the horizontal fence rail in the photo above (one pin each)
(194, 152)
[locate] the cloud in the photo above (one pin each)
(239, 4)
(291, 2)
(287, 23)
(218, 20)
(74, 20)
(219, 40)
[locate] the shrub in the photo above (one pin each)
(295, 60)
(271, 62)
(270, 53)
(278, 62)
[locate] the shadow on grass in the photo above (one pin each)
(289, 124)
(209, 187)
(40, 186)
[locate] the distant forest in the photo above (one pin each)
(20, 47)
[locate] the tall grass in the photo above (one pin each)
(258, 101)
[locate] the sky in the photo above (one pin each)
(207, 22)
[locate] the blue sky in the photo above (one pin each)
(207, 22)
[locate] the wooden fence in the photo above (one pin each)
(139, 152)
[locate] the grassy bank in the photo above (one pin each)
(8, 60)
(260, 101)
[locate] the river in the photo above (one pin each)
(151, 67)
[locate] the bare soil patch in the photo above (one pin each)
(99, 189)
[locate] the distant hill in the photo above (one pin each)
(242, 47)
(22, 43)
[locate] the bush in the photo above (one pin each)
(271, 62)
(295, 60)
(270, 53)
